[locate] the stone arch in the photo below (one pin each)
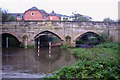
(88, 38)
(80, 34)
(15, 35)
(45, 37)
(36, 36)
(14, 41)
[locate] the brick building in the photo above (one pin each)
(35, 14)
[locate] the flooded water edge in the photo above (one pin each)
(25, 63)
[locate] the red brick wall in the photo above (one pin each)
(54, 18)
(28, 15)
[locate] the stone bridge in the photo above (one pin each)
(30, 30)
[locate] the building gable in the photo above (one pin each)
(36, 14)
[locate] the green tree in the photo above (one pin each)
(65, 19)
(79, 17)
(11, 18)
(108, 20)
(4, 16)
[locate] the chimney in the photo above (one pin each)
(53, 12)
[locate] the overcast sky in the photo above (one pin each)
(97, 9)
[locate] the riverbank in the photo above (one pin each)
(100, 62)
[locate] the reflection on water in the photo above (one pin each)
(27, 60)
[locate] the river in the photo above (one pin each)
(25, 63)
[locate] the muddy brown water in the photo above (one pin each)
(25, 63)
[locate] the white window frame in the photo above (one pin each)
(19, 17)
(51, 18)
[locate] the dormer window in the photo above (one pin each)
(32, 13)
(19, 17)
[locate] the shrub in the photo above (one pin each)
(64, 47)
(88, 70)
(111, 45)
(101, 62)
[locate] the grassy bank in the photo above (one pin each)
(100, 62)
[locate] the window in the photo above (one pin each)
(19, 17)
(51, 18)
(32, 13)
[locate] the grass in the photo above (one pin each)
(28, 46)
(65, 47)
(100, 62)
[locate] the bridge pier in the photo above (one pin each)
(25, 41)
(70, 44)
(73, 44)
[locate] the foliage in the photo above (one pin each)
(101, 62)
(108, 20)
(105, 37)
(79, 17)
(28, 46)
(110, 45)
(65, 19)
(88, 42)
(11, 18)
(5, 16)
(65, 47)
(80, 41)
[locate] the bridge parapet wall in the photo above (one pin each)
(62, 29)
(96, 25)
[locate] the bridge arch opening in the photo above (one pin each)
(9, 40)
(88, 39)
(45, 37)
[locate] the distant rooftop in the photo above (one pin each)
(33, 8)
(59, 15)
(41, 10)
